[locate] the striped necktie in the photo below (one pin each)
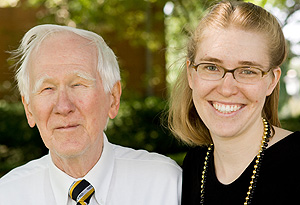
(81, 191)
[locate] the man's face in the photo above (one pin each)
(67, 101)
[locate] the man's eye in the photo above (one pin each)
(47, 88)
(78, 85)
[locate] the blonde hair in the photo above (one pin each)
(183, 119)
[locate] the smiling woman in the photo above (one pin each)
(225, 105)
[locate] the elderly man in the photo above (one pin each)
(69, 81)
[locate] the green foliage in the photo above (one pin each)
(138, 122)
(18, 143)
(137, 125)
(128, 20)
(292, 124)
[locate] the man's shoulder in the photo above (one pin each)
(33, 168)
(149, 178)
(143, 157)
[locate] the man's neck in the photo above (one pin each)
(77, 166)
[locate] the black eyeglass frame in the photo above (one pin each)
(230, 71)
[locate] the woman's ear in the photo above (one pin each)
(275, 80)
(189, 74)
(116, 92)
(28, 113)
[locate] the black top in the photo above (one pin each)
(278, 181)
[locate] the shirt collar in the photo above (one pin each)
(99, 176)
(60, 183)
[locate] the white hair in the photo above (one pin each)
(107, 67)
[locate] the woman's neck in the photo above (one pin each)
(232, 155)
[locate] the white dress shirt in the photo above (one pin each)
(122, 176)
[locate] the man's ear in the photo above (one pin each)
(28, 113)
(275, 80)
(115, 93)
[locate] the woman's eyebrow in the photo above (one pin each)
(250, 63)
(216, 60)
(211, 59)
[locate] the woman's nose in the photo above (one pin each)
(228, 85)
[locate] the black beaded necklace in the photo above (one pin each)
(255, 173)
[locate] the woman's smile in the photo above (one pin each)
(226, 108)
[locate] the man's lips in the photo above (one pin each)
(226, 108)
(66, 127)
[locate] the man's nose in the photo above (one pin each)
(64, 104)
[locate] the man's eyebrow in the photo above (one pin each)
(45, 78)
(85, 75)
(40, 82)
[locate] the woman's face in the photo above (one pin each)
(227, 107)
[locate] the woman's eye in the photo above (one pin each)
(211, 68)
(249, 72)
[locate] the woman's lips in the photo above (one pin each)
(226, 108)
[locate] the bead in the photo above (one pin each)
(264, 144)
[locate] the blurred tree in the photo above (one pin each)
(133, 29)
(140, 23)
(126, 24)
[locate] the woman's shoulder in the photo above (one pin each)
(279, 135)
(195, 156)
(285, 140)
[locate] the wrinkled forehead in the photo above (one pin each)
(63, 42)
(63, 52)
(64, 47)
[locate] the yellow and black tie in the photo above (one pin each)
(81, 191)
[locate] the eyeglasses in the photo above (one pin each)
(245, 74)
